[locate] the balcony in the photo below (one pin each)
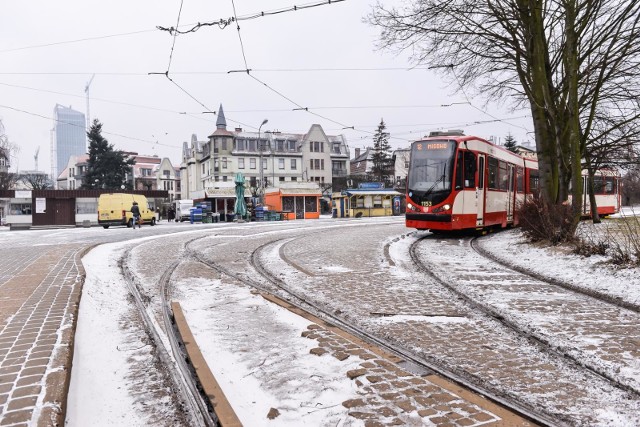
(338, 172)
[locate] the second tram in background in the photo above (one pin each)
(459, 182)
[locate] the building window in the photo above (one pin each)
(316, 147)
(241, 163)
(264, 164)
(280, 163)
(293, 164)
(86, 207)
(224, 163)
(203, 169)
(145, 172)
(20, 209)
(281, 179)
(292, 146)
(252, 163)
(294, 178)
(336, 147)
(311, 164)
(252, 145)
(224, 178)
(224, 144)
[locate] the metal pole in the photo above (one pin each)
(261, 149)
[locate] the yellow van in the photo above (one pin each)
(115, 209)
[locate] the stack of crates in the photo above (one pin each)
(205, 207)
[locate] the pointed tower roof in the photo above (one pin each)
(221, 123)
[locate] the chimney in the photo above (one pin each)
(357, 153)
(238, 129)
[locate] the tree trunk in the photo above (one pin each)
(592, 194)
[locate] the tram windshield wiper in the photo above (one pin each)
(440, 179)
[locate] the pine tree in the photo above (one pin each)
(510, 142)
(107, 168)
(381, 157)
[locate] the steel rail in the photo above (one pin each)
(600, 296)
(301, 301)
(173, 359)
(531, 337)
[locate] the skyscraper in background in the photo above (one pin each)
(69, 137)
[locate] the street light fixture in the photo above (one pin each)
(261, 149)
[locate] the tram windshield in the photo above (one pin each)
(431, 170)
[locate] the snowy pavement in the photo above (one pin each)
(279, 369)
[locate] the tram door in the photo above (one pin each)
(586, 201)
(480, 191)
(510, 194)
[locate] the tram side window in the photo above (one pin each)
(534, 181)
(469, 169)
(481, 173)
(493, 173)
(503, 176)
(598, 185)
(520, 179)
(459, 171)
(602, 185)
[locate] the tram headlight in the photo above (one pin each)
(442, 208)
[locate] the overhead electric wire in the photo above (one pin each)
(225, 22)
(175, 36)
(82, 126)
(262, 70)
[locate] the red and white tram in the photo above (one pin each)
(458, 182)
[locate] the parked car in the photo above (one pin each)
(115, 209)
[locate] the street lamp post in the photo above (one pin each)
(261, 149)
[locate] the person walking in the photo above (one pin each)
(135, 211)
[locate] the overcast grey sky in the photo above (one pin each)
(321, 58)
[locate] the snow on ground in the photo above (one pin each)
(256, 351)
(103, 386)
(594, 272)
(100, 363)
(104, 389)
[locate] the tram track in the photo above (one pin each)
(168, 343)
(267, 281)
(531, 335)
(592, 293)
(279, 288)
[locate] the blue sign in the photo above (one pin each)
(371, 185)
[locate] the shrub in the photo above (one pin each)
(542, 221)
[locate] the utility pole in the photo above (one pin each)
(86, 90)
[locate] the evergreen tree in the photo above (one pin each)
(510, 142)
(381, 157)
(107, 168)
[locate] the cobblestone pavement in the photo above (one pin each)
(367, 279)
(40, 289)
(601, 335)
(409, 308)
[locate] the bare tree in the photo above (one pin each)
(37, 181)
(565, 60)
(7, 150)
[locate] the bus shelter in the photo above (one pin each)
(366, 202)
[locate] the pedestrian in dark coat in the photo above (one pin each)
(171, 214)
(135, 211)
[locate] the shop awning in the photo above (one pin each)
(224, 193)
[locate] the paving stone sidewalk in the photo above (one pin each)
(39, 295)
